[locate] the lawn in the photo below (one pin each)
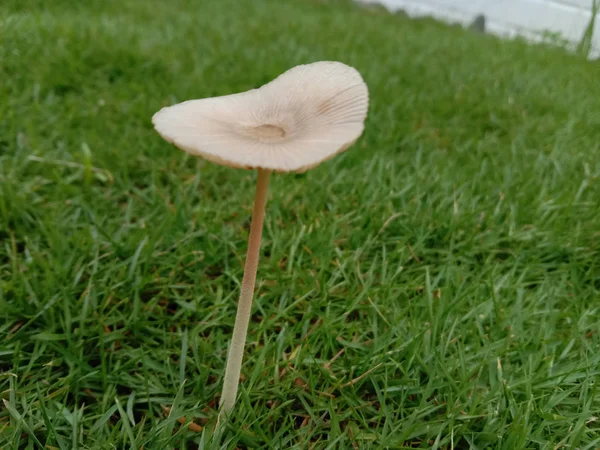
(435, 286)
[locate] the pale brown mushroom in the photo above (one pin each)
(302, 118)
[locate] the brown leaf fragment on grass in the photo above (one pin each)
(192, 426)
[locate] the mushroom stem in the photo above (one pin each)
(242, 318)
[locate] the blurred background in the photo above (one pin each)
(571, 22)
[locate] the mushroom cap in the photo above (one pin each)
(300, 119)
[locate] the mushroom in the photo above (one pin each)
(305, 116)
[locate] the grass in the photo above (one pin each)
(436, 286)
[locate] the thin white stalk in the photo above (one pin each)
(242, 318)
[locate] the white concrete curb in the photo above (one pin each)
(538, 20)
